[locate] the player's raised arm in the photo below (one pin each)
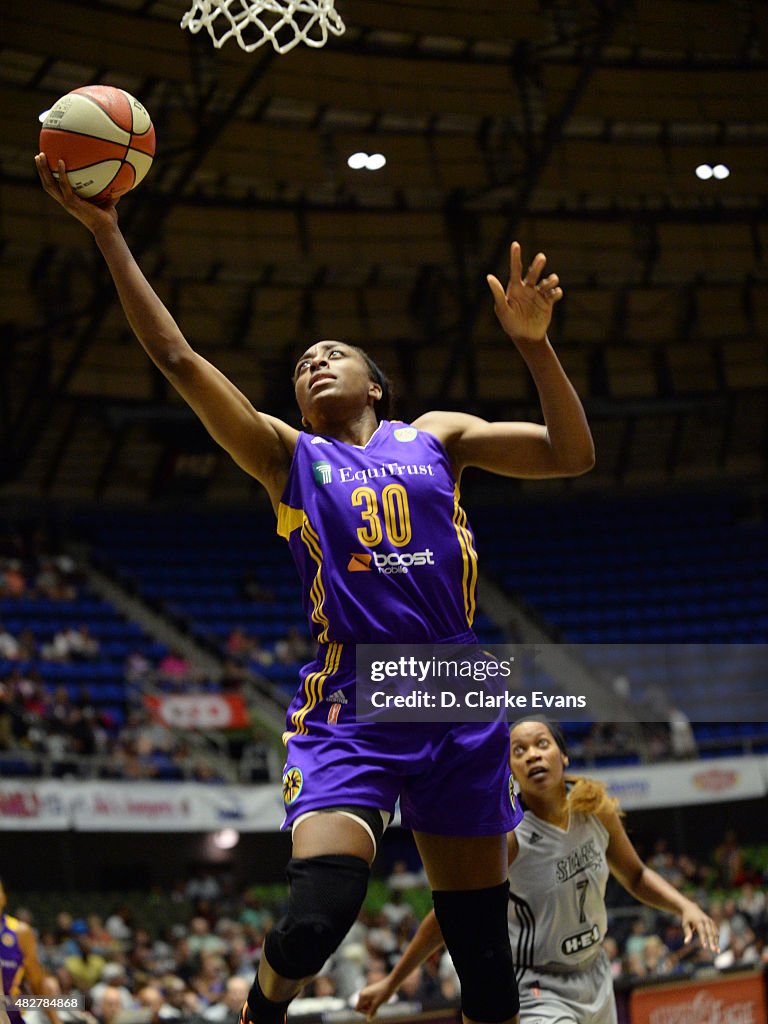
(563, 445)
(262, 445)
(650, 888)
(427, 939)
(36, 977)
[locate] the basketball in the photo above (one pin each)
(104, 136)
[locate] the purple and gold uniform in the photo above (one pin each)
(385, 555)
(11, 962)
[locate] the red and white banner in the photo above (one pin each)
(138, 807)
(199, 711)
(731, 999)
(32, 805)
(691, 782)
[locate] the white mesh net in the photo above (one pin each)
(284, 23)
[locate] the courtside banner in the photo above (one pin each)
(175, 807)
(199, 711)
(693, 782)
(33, 806)
(731, 999)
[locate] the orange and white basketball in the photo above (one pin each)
(105, 138)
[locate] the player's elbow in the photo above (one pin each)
(579, 462)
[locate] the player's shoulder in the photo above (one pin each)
(444, 422)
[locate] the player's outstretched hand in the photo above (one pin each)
(696, 922)
(524, 310)
(372, 996)
(92, 215)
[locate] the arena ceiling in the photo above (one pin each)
(573, 125)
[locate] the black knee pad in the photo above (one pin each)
(325, 899)
(474, 927)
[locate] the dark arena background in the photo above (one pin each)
(150, 619)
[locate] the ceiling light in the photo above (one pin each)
(226, 838)
(374, 162)
(720, 171)
(704, 171)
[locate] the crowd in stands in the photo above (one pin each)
(63, 719)
(202, 965)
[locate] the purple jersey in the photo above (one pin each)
(382, 545)
(11, 962)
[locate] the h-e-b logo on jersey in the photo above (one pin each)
(581, 940)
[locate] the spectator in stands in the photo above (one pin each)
(228, 1007)
(137, 667)
(210, 979)
(119, 924)
(729, 861)
(395, 910)
(681, 737)
(402, 878)
(85, 966)
(202, 886)
(115, 977)
(293, 648)
(13, 582)
(9, 645)
(318, 997)
(101, 941)
(658, 960)
(73, 643)
(6, 716)
(202, 939)
(151, 997)
(50, 583)
(174, 669)
(110, 1005)
(752, 901)
(238, 645)
(260, 656)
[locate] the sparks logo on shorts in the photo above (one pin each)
(405, 433)
(293, 780)
(322, 472)
(333, 714)
(512, 794)
(359, 562)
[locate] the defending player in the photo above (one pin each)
(20, 969)
(560, 856)
(355, 494)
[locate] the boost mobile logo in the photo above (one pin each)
(391, 563)
(322, 472)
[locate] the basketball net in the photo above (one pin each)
(284, 23)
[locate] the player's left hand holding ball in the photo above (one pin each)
(524, 310)
(93, 215)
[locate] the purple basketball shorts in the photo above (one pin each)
(450, 778)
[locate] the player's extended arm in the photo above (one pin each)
(35, 975)
(262, 445)
(650, 888)
(563, 445)
(427, 939)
